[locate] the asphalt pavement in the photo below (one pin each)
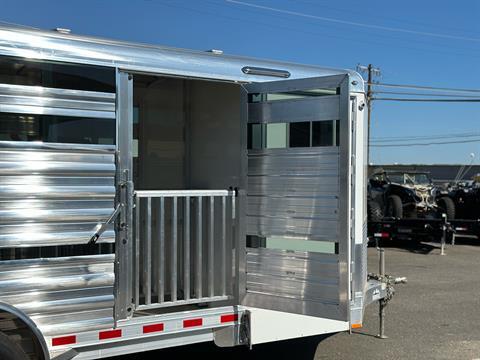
(436, 315)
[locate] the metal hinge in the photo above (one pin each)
(245, 332)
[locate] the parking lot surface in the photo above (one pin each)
(435, 316)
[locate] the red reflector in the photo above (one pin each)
(109, 334)
(382, 235)
(192, 322)
(152, 328)
(228, 318)
(64, 340)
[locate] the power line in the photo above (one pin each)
(315, 33)
(423, 94)
(398, 20)
(405, 86)
(411, 138)
(422, 136)
(426, 100)
(354, 23)
(427, 144)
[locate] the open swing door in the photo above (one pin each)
(299, 197)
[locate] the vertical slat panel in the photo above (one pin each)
(173, 261)
(211, 249)
(207, 235)
(223, 247)
(147, 256)
(199, 248)
(186, 261)
(137, 251)
(161, 251)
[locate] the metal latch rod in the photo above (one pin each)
(102, 227)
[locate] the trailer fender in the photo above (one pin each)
(25, 319)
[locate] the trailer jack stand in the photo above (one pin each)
(382, 302)
(387, 283)
(381, 315)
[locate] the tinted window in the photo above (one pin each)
(276, 137)
(337, 132)
(322, 133)
(255, 136)
(56, 75)
(56, 129)
(300, 134)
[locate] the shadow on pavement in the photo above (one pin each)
(297, 349)
(466, 241)
(416, 247)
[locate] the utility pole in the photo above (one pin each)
(371, 72)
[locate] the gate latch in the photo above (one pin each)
(101, 227)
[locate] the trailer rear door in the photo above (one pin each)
(298, 196)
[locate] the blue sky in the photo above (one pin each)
(405, 57)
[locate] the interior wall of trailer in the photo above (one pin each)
(188, 134)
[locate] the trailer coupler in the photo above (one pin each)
(383, 290)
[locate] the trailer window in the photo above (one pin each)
(276, 136)
(292, 95)
(17, 71)
(322, 133)
(300, 134)
(255, 136)
(293, 135)
(56, 129)
(291, 244)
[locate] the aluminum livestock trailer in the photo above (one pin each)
(152, 197)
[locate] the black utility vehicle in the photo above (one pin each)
(466, 196)
(406, 194)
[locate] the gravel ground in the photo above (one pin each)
(435, 316)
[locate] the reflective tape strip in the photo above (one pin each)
(109, 334)
(64, 340)
(192, 322)
(153, 328)
(228, 318)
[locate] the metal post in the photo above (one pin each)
(382, 303)
(137, 253)
(173, 259)
(211, 247)
(223, 252)
(371, 71)
(199, 248)
(147, 255)
(186, 261)
(161, 251)
(444, 234)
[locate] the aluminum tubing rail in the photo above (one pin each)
(182, 193)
